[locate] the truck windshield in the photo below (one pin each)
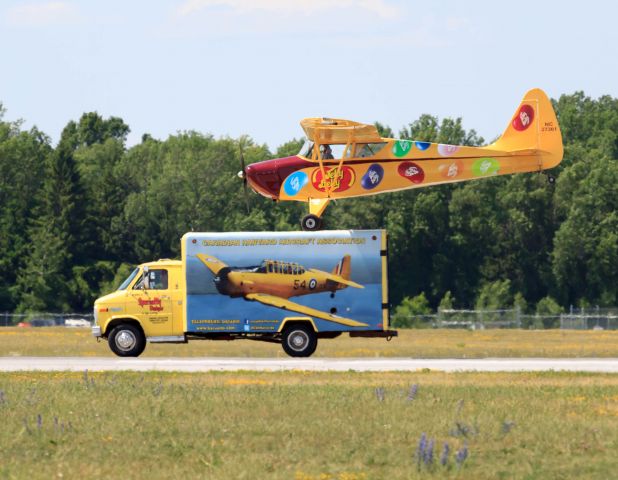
(129, 279)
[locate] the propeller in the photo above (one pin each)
(243, 175)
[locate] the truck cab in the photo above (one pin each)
(148, 305)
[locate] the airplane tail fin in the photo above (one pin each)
(343, 268)
(534, 129)
(213, 264)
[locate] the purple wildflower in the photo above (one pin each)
(380, 394)
(412, 392)
(461, 455)
(428, 454)
(39, 421)
(506, 426)
(420, 450)
(444, 456)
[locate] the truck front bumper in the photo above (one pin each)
(96, 331)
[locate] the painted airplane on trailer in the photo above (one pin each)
(273, 283)
(342, 158)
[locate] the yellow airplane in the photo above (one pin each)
(342, 159)
(273, 283)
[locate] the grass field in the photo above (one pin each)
(308, 426)
(59, 341)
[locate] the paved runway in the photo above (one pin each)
(14, 364)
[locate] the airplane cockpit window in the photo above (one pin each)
(334, 151)
(364, 150)
(306, 149)
(327, 151)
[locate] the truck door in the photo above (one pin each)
(151, 300)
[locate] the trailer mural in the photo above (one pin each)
(252, 282)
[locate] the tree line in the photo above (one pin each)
(75, 217)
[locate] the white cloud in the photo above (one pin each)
(37, 14)
(382, 8)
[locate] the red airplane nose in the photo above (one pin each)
(266, 177)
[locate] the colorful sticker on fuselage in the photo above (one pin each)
(401, 147)
(485, 166)
(452, 169)
(373, 177)
(523, 118)
(447, 150)
(422, 146)
(337, 179)
(411, 171)
(295, 183)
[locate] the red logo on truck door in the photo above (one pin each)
(154, 303)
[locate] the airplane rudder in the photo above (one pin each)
(533, 126)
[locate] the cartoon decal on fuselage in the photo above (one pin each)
(273, 282)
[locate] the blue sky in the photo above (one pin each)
(256, 67)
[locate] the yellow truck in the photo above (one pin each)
(291, 288)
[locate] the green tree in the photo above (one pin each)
(22, 169)
(45, 280)
(495, 295)
(407, 312)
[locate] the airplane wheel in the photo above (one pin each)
(299, 340)
(551, 179)
(311, 223)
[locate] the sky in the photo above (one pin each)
(257, 67)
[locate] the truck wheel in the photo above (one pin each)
(299, 341)
(311, 223)
(127, 340)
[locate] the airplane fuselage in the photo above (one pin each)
(284, 285)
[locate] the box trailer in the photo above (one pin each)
(291, 288)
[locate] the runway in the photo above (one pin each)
(210, 364)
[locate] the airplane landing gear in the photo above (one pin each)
(311, 223)
(551, 179)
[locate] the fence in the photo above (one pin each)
(590, 319)
(478, 319)
(576, 319)
(46, 319)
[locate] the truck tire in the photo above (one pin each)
(299, 340)
(127, 340)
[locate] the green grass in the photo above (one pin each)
(303, 425)
(60, 341)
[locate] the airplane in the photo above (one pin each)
(274, 282)
(342, 159)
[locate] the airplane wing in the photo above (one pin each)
(295, 307)
(213, 264)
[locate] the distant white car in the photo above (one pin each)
(76, 322)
